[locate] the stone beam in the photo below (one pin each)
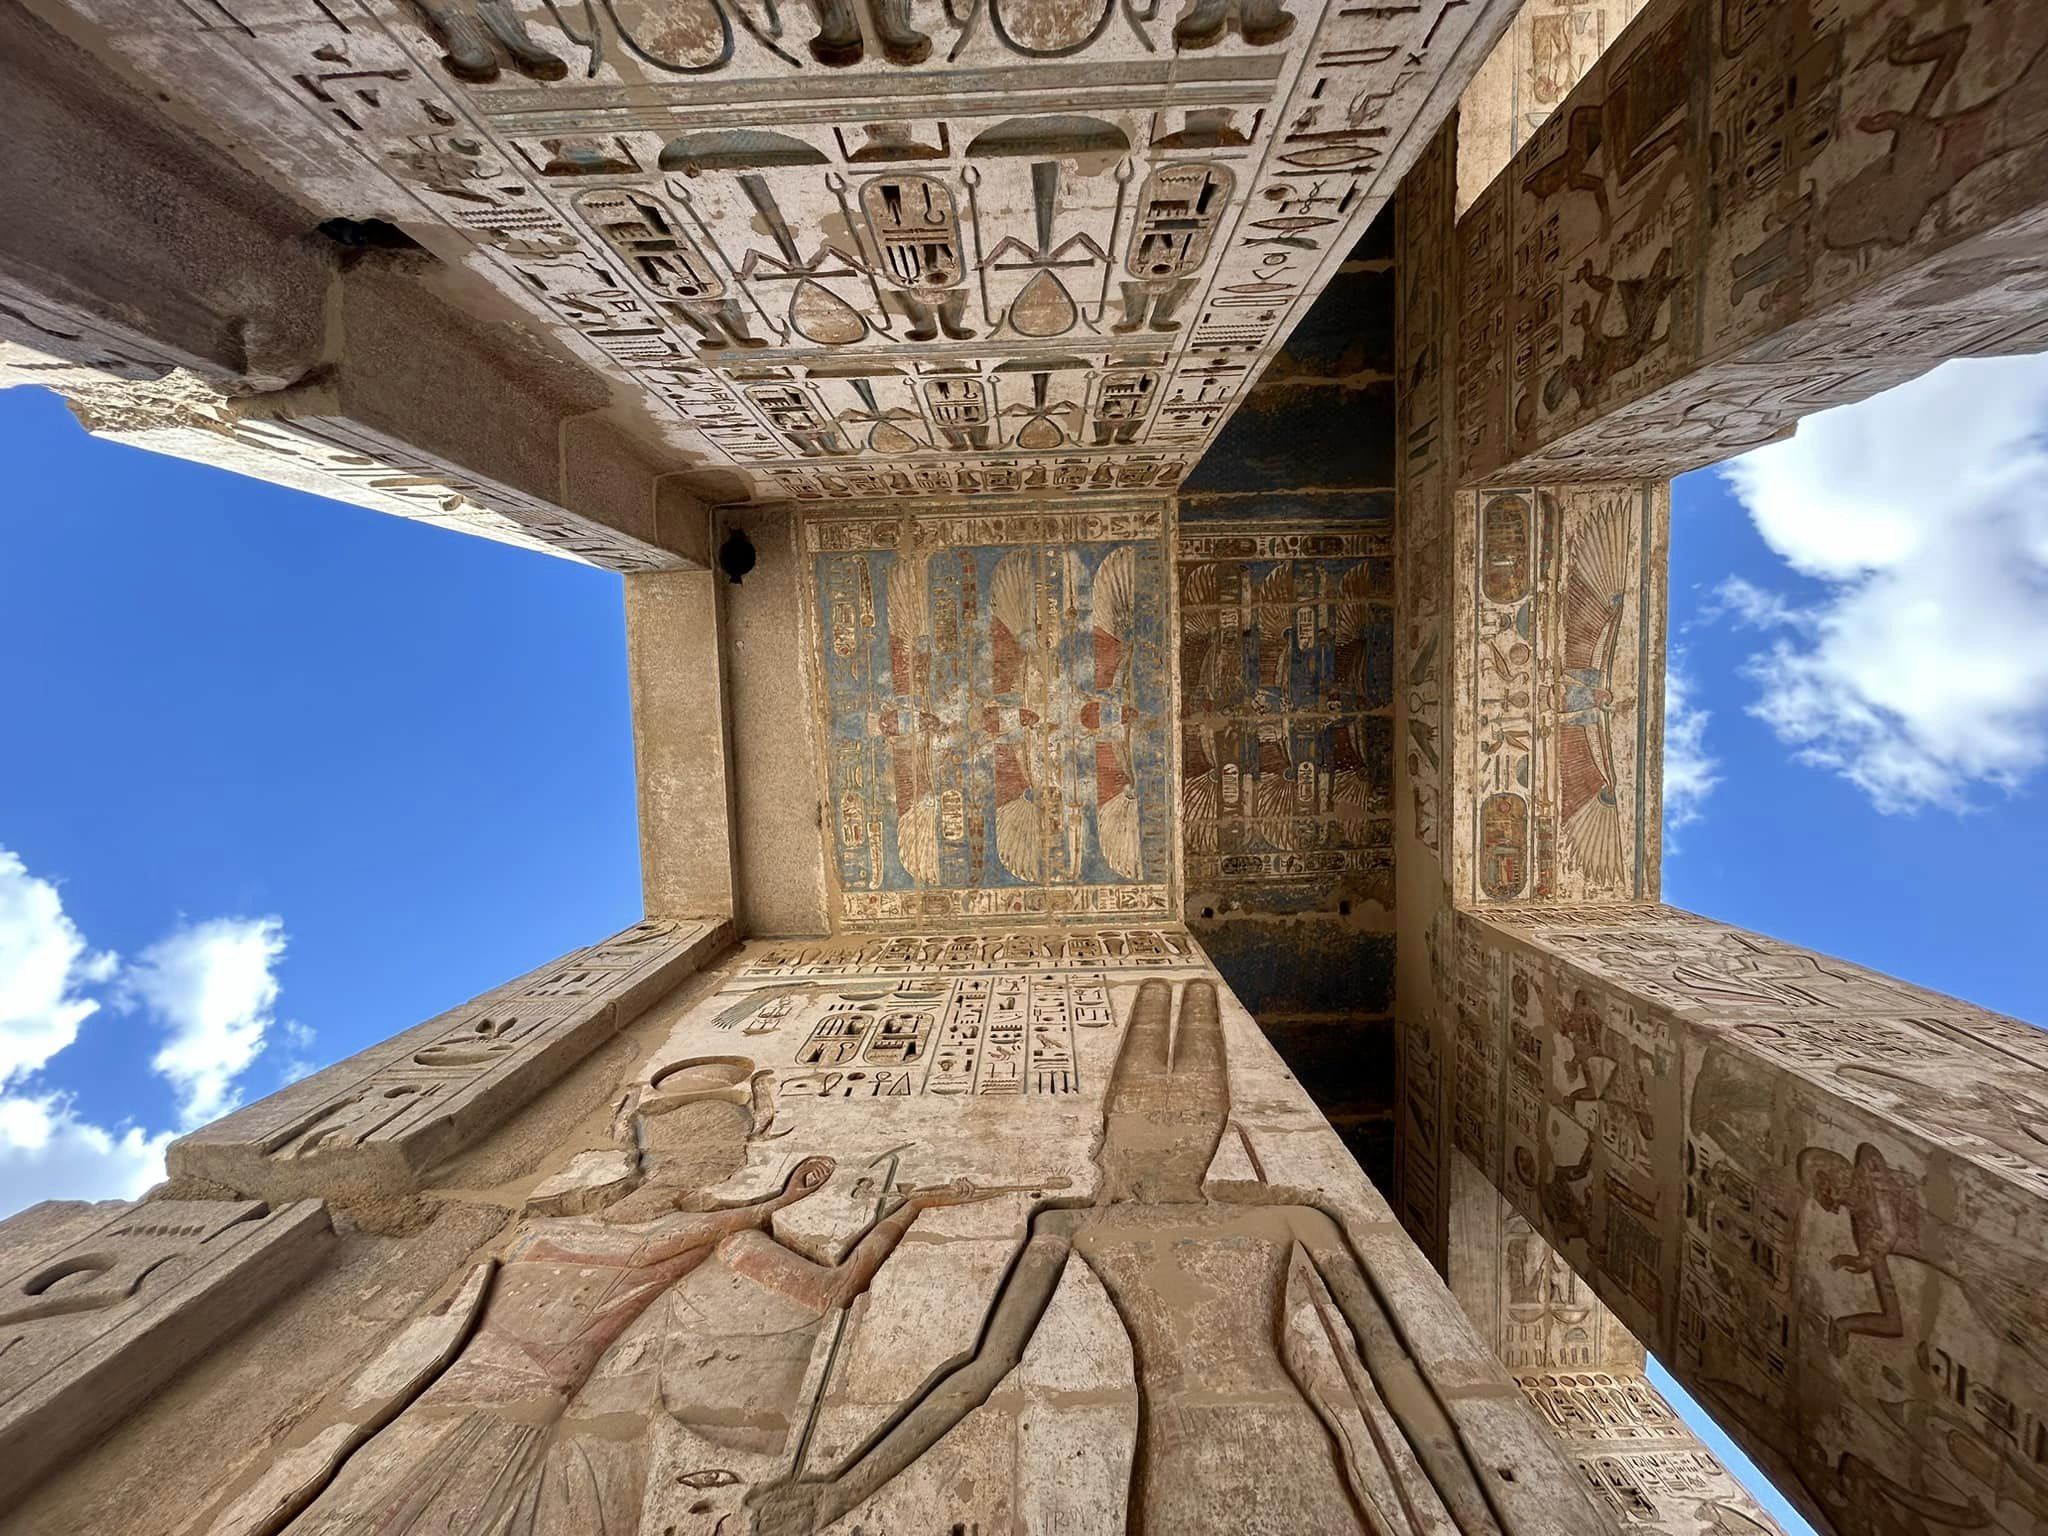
(1814, 1191)
(676, 656)
(376, 1126)
(1744, 214)
(1583, 1372)
(184, 307)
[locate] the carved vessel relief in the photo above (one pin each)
(879, 247)
(379, 1121)
(798, 1312)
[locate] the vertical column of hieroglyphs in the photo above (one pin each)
(1425, 305)
(1745, 213)
(1814, 1191)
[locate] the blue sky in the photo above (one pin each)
(284, 776)
(281, 777)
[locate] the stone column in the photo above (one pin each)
(1584, 1374)
(676, 653)
(1530, 674)
(1813, 1190)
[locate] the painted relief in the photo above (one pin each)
(1731, 223)
(799, 1311)
(995, 731)
(887, 247)
(1286, 699)
(1806, 1185)
(1565, 592)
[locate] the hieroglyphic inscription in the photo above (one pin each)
(1744, 214)
(925, 954)
(1424, 218)
(1804, 1184)
(891, 250)
(1286, 701)
(1007, 1034)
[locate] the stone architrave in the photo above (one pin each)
(1014, 252)
(1747, 213)
(378, 1122)
(1547, 50)
(1814, 1191)
(88, 1332)
(1584, 1374)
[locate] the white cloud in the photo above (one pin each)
(48, 1153)
(1919, 670)
(1751, 607)
(44, 959)
(212, 987)
(1689, 770)
(300, 1061)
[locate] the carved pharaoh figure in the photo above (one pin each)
(520, 1432)
(1165, 1251)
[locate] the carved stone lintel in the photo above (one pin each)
(378, 1122)
(89, 1332)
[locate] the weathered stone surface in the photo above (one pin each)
(1549, 47)
(1738, 218)
(91, 1330)
(1584, 1372)
(886, 255)
(378, 1122)
(1810, 1188)
(675, 654)
(913, 1227)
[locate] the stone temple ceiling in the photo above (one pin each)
(864, 248)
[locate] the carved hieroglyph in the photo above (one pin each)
(1547, 49)
(843, 1286)
(1560, 621)
(1746, 213)
(1811, 1188)
(88, 1332)
(378, 1121)
(1584, 1372)
(1286, 695)
(887, 248)
(995, 721)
